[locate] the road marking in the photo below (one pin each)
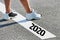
(29, 25)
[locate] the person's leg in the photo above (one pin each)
(26, 5)
(8, 12)
(8, 5)
(31, 14)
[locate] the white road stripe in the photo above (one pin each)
(27, 24)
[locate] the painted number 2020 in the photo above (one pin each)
(37, 29)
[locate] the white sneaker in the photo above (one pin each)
(33, 15)
(5, 17)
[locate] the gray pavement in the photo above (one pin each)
(50, 10)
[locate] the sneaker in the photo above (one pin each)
(33, 16)
(12, 14)
(7, 16)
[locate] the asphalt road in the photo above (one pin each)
(50, 10)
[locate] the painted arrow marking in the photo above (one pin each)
(29, 25)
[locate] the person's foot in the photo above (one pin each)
(12, 14)
(33, 16)
(7, 16)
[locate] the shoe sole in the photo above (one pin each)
(32, 19)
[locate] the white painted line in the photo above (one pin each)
(34, 28)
